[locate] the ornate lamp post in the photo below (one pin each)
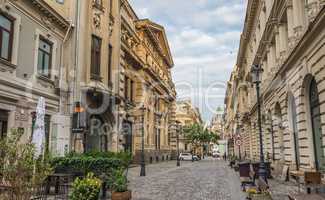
(256, 72)
(142, 162)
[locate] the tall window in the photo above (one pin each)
(44, 57)
(316, 121)
(294, 122)
(96, 45)
(110, 56)
(131, 90)
(6, 37)
(126, 87)
(111, 6)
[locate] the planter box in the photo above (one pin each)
(122, 195)
(260, 197)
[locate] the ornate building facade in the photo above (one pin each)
(33, 44)
(285, 37)
(97, 65)
(187, 114)
(146, 87)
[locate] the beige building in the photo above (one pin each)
(217, 122)
(287, 39)
(94, 73)
(146, 87)
(187, 114)
(33, 45)
(97, 64)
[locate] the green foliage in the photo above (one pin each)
(118, 181)
(197, 135)
(86, 189)
(18, 167)
(98, 163)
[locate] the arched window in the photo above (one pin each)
(294, 127)
(316, 124)
(279, 132)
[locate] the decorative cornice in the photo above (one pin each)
(51, 14)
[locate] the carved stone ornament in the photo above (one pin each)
(313, 9)
(47, 22)
(97, 20)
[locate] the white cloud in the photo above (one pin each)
(204, 37)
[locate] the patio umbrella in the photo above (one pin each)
(39, 129)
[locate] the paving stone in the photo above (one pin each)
(204, 180)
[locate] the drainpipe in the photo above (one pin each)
(75, 66)
(62, 60)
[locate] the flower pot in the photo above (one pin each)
(127, 195)
(260, 196)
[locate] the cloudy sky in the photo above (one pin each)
(204, 37)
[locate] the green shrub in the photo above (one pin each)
(118, 181)
(19, 169)
(86, 189)
(98, 163)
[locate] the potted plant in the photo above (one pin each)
(119, 186)
(86, 189)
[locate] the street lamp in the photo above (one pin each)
(142, 162)
(256, 72)
(178, 128)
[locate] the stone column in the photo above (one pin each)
(283, 32)
(298, 8)
(277, 41)
(268, 59)
(290, 20)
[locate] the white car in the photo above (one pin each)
(216, 154)
(186, 156)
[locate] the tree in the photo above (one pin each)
(19, 169)
(199, 136)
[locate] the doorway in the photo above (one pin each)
(316, 124)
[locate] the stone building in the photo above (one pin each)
(33, 44)
(146, 87)
(285, 37)
(187, 114)
(94, 80)
(97, 65)
(217, 122)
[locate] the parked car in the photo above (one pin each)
(216, 154)
(196, 158)
(188, 156)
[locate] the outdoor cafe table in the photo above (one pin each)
(57, 179)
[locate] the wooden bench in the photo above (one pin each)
(312, 180)
(307, 197)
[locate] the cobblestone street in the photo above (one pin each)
(208, 179)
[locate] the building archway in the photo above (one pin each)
(292, 110)
(280, 137)
(314, 119)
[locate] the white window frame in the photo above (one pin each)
(54, 42)
(15, 42)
